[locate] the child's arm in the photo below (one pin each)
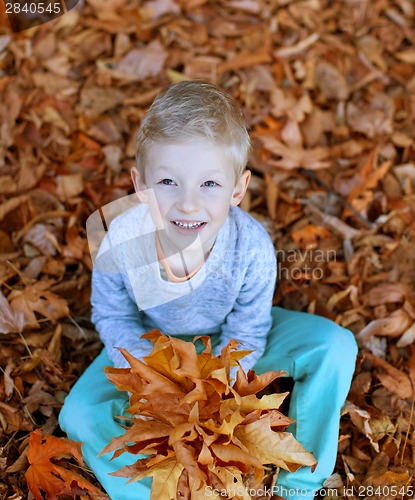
(250, 319)
(117, 318)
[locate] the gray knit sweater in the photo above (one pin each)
(231, 294)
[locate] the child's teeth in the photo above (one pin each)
(187, 226)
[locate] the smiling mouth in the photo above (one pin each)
(190, 225)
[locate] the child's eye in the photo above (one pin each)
(166, 182)
(212, 182)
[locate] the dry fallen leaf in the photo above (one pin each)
(142, 63)
(392, 378)
(290, 158)
(45, 475)
(36, 298)
(331, 81)
(11, 321)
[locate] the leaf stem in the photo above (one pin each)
(26, 344)
(407, 432)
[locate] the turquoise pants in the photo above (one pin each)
(317, 353)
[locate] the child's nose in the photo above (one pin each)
(189, 202)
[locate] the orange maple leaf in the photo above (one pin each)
(47, 476)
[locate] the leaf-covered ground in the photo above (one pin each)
(328, 90)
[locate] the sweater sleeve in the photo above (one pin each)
(117, 318)
(250, 318)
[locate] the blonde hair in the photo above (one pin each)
(195, 109)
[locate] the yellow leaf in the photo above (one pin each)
(390, 478)
(251, 402)
(165, 477)
(231, 478)
(175, 76)
(230, 453)
(226, 426)
(270, 447)
(185, 431)
(165, 474)
(186, 456)
(141, 432)
(205, 456)
(407, 56)
(253, 383)
(155, 379)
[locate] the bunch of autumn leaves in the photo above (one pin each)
(199, 431)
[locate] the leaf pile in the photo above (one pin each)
(198, 429)
(328, 92)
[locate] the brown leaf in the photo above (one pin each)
(244, 60)
(408, 337)
(11, 321)
(393, 379)
(43, 238)
(251, 384)
(291, 158)
(388, 292)
(370, 180)
(372, 119)
(285, 104)
(331, 81)
(360, 419)
(142, 63)
(70, 185)
(407, 56)
(411, 367)
(231, 454)
(372, 49)
(298, 48)
(37, 298)
(309, 236)
(291, 134)
(271, 195)
(154, 9)
(392, 326)
(7, 184)
(396, 479)
(12, 204)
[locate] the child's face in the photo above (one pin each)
(189, 183)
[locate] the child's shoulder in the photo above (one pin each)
(130, 222)
(245, 223)
(252, 239)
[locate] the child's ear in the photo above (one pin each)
(240, 188)
(139, 186)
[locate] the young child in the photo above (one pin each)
(188, 261)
